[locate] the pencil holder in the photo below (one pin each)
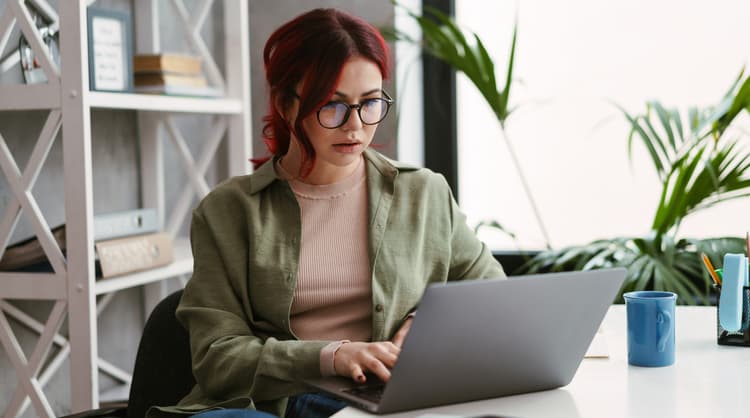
(739, 338)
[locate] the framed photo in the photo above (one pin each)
(110, 50)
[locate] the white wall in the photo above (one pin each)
(409, 87)
(572, 57)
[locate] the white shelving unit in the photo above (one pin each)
(72, 285)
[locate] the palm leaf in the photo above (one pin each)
(444, 39)
(637, 129)
(740, 101)
(665, 118)
(654, 137)
(505, 95)
(675, 117)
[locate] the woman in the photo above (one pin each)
(313, 264)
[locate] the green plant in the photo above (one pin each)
(445, 40)
(700, 164)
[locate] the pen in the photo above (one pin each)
(710, 268)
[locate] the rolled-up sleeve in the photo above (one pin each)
(470, 257)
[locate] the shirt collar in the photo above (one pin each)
(265, 175)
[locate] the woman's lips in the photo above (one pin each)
(347, 147)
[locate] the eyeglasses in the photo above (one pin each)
(371, 111)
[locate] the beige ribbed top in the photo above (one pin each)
(333, 298)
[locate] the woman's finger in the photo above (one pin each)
(400, 336)
(387, 353)
(357, 374)
(375, 366)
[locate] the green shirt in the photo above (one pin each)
(246, 240)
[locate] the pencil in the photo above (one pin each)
(710, 268)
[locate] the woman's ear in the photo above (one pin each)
(279, 107)
(285, 110)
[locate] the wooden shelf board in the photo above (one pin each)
(163, 103)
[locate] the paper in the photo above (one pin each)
(598, 347)
(109, 55)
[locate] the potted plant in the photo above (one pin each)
(700, 164)
(696, 157)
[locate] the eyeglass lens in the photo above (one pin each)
(335, 114)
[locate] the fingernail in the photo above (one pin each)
(361, 378)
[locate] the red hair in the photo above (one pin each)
(312, 49)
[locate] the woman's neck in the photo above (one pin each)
(322, 172)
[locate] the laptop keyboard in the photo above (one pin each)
(372, 393)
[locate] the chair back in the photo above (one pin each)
(162, 374)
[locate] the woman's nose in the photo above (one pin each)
(354, 122)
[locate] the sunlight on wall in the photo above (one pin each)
(572, 59)
(409, 87)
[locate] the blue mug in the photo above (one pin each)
(650, 328)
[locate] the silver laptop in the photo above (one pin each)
(483, 339)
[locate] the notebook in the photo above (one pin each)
(488, 338)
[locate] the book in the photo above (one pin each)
(169, 79)
(125, 223)
(140, 252)
(30, 252)
(113, 257)
(166, 63)
(106, 226)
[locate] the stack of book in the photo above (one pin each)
(173, 74)
(125, 242)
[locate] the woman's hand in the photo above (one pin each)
(400, 335)
(357, 358)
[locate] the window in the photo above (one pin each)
(571, 58)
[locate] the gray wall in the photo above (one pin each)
(116, 175)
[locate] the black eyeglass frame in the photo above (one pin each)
(387, 99)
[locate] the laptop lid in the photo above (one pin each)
(482, 339)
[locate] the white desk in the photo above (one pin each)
(707, 380)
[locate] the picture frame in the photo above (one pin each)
(110, 50)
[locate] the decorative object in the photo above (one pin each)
(110, 50)
(48, 30)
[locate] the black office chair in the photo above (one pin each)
(162, 374)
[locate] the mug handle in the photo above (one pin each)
(664, 329)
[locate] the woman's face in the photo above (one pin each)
(338, 150)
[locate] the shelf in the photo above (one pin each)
(29, 96)
(15, 285)
(163, 103)
(43, 96)
(183, 264)
(71, 101)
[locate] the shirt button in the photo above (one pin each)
(378, 308)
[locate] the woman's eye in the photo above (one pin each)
(330, 105)
(371, 103)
